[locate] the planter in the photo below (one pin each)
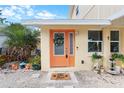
(28, 66)
(36, 66)
(118, 69)
(14, 66)
(22, 65)
(118, 63)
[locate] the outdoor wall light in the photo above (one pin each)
(77, 47)
(108, 37)
(82, 61)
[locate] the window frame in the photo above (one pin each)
(97, 41)
(115, 41)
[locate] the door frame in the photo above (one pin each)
(55, 31)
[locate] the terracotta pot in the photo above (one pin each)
(122, 66)
(14, 66)
(28, 66)
(118, 63)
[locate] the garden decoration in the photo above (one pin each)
(97, 62)
(14, 66)
(119, 59)
(22, 65)
(116, 66)
(112, 67)
(27, 67)
(59, 39)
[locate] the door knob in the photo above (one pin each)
(66, 56)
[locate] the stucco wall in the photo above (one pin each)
(81, 41)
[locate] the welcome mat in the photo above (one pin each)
(47, 79)
(60, 76)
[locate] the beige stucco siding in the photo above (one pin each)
(96, 11)
(81, 41)
(45, 56)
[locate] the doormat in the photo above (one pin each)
(60, 76)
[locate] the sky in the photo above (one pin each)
(17, 13)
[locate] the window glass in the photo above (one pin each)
(114, 47)
(95, 35)
(71, 36)
(94, 46)
(77, 10)
(59, 43)
(114, 44)
(95, 41)
(114, 35)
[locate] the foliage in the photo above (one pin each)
(2, 60)
(119, 57)
(95, 56)
(21, 40)
(36, 62)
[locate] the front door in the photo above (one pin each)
(62, 48)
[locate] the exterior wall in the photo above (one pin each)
(2, 40)
(2, 37)
(81, 41)
(96, 11)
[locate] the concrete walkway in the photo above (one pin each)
(79, 79)
(72, 83)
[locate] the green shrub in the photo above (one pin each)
(36, 62)
(95, 56)
(119, 57)
(2, 60)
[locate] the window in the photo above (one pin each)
(71, 42)
(77, 10)
(59, 43)
(114, 43)
(95, 41)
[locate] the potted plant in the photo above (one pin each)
(97, 62)
(2, 61)
(117, 61)
(36, 65)
(113, 59)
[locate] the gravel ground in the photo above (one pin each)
(36, 79)
(89, 79)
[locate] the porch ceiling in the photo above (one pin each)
(42, 22)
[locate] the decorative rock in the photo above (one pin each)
(35, 75)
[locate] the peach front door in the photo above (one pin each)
(62, 52)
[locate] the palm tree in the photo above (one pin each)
(21, 41)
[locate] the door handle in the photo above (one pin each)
(66, 53)
(66, 56)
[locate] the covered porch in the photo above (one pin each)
(83, 49)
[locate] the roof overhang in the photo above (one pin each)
(42, 22)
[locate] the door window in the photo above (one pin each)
(59, 43)
(71, 42)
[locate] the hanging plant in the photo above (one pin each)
(59, 39)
